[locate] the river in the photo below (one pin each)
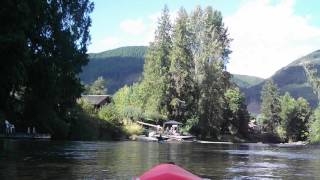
(29, 159)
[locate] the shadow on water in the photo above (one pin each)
(28, 159)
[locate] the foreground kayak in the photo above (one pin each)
(168, 172)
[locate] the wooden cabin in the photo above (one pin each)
(98, 100)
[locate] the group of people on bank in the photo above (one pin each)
(9, 128)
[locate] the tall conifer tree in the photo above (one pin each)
(212, 78)
(157, 66)
(270, 107)
(182, 71)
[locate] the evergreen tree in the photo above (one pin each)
(270, 107)
(156, 68)
(314, 126)
(181, 71)
(298, 130)
(287, 113)
(98, 87)
(294, 118)
(212, 79)
(45, 43)
(236, 113)
(15, 23)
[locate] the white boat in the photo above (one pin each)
(169, 132)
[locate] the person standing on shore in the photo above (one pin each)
(7, 124)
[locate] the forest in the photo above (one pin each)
(44, 49)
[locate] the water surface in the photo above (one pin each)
(29, 159)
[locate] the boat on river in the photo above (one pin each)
(170, 131)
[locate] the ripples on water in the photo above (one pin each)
(26, 160)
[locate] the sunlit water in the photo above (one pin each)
(27, 159)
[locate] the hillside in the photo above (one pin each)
(128, 51)
(245, 81)
(119, 66)
(291, 78)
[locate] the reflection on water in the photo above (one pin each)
(26, 159)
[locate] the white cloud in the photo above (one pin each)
(134, 32)
(104, 44)
(269, 36)
(133, 26)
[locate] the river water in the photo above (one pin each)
(29, 159)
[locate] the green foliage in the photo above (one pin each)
(156, 69)
(210, 52)
(191, 125)
(299, 128)
(236, 112)
(109, 113)
(44, 44)
(50, 122)
(132, 129)
(294, 118)
(132, 112)
(270, 107)
(128, 51)
(182, 85)
(86, 106)
(312, 75)
(314, 127)
(127, 103)
(98, 87)
(281, 132)
(85, 126)
(184, 77)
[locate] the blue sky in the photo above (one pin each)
(268, 34)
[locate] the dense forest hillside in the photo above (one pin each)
(124, 66)
(119, 67)
(291, 78)
(245, 81)
(128, 51)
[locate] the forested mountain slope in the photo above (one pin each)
(118, 67)
(291, 78)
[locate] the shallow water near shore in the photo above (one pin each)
(30, 159)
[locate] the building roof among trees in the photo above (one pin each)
(97, 99)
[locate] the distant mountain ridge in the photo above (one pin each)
(245, 81)
(291, 78)
(128, 51)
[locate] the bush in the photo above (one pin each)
(282, 133)
(87, 127)
(86, 106)
(132, 112)
(47, 121)
(314, 127)
(191, 125)
(132, 129)
(109, 113)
